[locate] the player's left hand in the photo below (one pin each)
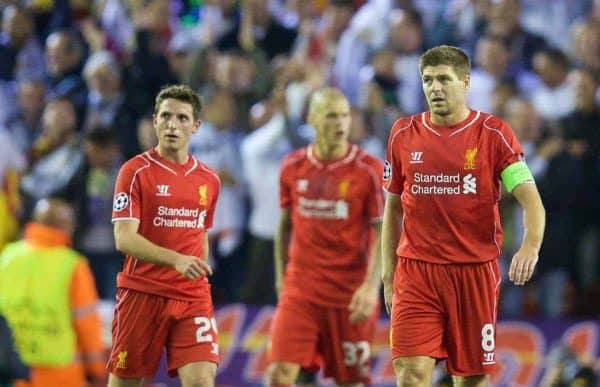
(522, 265)
(363, 303)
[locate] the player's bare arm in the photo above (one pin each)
(206, 247)
(282, 240)
(390, 234)
(129, 241)
(534, 221)
(364, 300)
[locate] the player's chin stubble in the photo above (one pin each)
(440, 111)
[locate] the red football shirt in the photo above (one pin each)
(174, 205)
(449, 179)
(333, 205)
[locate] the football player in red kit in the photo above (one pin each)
(328, 240)
(441, 233)
(163, 206)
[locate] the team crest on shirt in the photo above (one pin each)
(122, 360)
(387, 170)
(121, 202)
(343, 188)
(470, 158)
(202, 195)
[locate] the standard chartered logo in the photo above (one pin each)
(179, 217)
(469, 184)
(443, 184)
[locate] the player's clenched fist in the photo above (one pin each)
(192, 267)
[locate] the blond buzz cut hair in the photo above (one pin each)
(447, 55)
(321, 96)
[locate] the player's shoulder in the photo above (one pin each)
(136, 163)
(403, 125)
(364, 157)
(492, 122)
(294, 158)
(369, 166)
(204, 171)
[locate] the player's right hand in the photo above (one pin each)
(192, 267)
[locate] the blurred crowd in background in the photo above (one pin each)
(78, 78)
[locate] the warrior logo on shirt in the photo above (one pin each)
(162, 190)
(416, 158)
(470, 158)
(387, 170)
(121, 201)
(203, 201)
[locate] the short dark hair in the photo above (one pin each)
(446, 55)
(181, 93)
(556, 56)
(101, 136)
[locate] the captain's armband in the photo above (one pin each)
(515, 174)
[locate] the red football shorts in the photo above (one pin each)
(144, 324)
(305, 333)
(446, 312)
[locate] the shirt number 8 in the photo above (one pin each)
(487, 338)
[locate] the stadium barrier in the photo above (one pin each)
(521, 347)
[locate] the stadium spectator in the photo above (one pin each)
(261, 152)
(56, 155)
(147, 68)
(106, 101)
(90, 192)
(443, 172)
(12, 164)
(504, 91)
(580, 131)
(503, 20)
(492, 59)
(318, 35)
(585, 47)
(25, 125)
(365, 35)
(52, 308)
(554, 98)
(216, 144)
(327, 252)
(407, 42)
(22, 56)
(65, 54)
(257, 28)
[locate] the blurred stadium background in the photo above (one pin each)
(78, 77)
